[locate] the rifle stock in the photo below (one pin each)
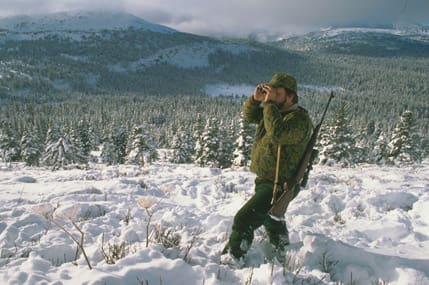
(279, 206)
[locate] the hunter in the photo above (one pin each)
(281, 122)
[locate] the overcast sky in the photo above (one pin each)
(242, 17)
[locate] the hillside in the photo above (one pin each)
(99, 53)
(407, 41)
(66, 52)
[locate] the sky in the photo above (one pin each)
(242, 18)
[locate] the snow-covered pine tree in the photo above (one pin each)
(114, 145)
(209, 145)
(120, 141)
(9, 144)
(404, 145)
(182, 146)
(139, 149)
(83, 132)
(60, 152)
(198, 138)
(365, 142)
(76, 151)
(243, 144)
(108, 152)
(379, 153)
(31, 149)
(226, 145)
(338, 143)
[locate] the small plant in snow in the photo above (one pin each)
(48, 213)
(146, 203)
(114, 252)
(195, 237)
(167, 237)
(127, 217)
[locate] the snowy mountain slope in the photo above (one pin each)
(192, 55)
(366, 224)
(412, 41)
(78, 21)
(93, 52)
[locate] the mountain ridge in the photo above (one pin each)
(129, 56)
(79, 21)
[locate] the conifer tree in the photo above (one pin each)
(339, 145)
(109, 154)
(60, 151)
(243, 144)
(83, 132)
(139, 150)
(198, 137)
(77, 148)
(9, 144)
(404, 144)
(182, 146)
(380, 152)
(31, 149)
(120, 141)
(225, 148)
(210, 145)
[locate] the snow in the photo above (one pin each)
(194, 55)
(222, 89)
(79, 21)
(367, 224)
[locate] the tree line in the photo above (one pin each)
(207, 131)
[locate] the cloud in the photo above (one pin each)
(243, 18)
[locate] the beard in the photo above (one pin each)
(281, 104)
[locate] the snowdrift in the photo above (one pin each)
(166, 224)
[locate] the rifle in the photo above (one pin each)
(279, 206)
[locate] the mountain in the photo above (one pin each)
(367, 41)
(116, 52)
(77, 21)
(48, 57)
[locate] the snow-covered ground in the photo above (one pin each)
(364, 225)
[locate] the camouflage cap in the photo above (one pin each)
(284, 80)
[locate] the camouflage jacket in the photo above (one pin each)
(290, 128)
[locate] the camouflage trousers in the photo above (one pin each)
(251, 216)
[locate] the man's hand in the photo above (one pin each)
(259, 92)
(264, 92)
(270, 93)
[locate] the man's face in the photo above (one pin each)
(280, 97)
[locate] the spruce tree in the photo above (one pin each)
(83, 132)
(182, 146)
(139, 149)
(209, 145)
(379, 153)
(9, 144)
(120, 141)
(338, 143)
(31, 149)
(243, 144)
(226, 145)
(108, 152)
(60, 151)
(404, 145)
(198, 138)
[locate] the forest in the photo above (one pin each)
(204, 130)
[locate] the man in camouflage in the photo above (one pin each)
(281, 122)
